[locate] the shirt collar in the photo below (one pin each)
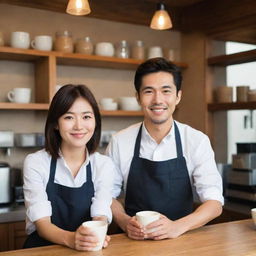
(145, 134)
(86, 162)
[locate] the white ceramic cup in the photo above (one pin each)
(100, 229)
(42, 43)
(106, 101)
(19, 95)
(253, 212)
(155, 51)
(20, 39)
(105, 49)
(147, 217)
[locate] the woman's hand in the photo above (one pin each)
(85, 239)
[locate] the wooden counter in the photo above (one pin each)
(231, 238)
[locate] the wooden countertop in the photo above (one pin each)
(236, 238)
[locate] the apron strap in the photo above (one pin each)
(137, 143)
(178, 141)
(52, 169)
(88, 172)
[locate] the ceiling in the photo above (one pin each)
(228, 20)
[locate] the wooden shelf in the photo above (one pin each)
(231, 59)
(121, 113)
(9, 53)
(23, 106)
(42, 106)
(231, 106)
(73, 59)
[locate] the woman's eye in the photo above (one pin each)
(87, 117)
(68, 117)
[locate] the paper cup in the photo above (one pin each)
(253, 212)
(100, 229)
(147, 217)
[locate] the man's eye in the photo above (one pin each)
(147, 91)
(167, 91)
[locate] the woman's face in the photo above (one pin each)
(77, 125)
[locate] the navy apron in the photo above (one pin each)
(162, 186)
(70, 206)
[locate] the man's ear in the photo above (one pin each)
(178, 98)
(137, 97)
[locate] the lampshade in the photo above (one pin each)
(161, 19)
(78, 7)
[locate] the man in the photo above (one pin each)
(159, 160)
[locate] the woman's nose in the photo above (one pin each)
(78, 124)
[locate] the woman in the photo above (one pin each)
(68, 183)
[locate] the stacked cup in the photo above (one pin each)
(108, 104)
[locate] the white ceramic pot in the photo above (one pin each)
(105, 49)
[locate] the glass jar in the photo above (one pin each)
(122, 50)
(84, 45)
(64, 41)
(138, 50)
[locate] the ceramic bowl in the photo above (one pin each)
(105, 49)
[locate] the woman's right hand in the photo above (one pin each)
(134, 230)
(85, 239)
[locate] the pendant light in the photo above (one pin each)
(161, 19)
(78, 7)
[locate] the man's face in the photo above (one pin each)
(158, 97)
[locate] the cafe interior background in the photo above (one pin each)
(202, 30)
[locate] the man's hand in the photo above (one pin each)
(163, 228)
(134, 230)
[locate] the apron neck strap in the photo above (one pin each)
(88, 172)
(177, 140)
(52, 169)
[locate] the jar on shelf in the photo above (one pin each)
(122, 50)
(138, 50)
(224, 94)
(84, 45)
(64, 41)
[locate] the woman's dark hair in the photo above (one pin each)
(157, 65)
(61, 103)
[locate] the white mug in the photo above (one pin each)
(100, 229)
(42, 43)
(20, 40)
(147, 217)
(253, 212)
(19, 95)
(155, 51)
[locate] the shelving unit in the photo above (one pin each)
(226, 60)
(45, 73)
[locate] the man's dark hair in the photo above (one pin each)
(157, 65)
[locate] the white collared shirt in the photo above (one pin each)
(202, 169)
(36, 175)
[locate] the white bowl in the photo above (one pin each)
(109, 106)
(105, 49)
(106, 101)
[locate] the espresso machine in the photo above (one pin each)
(241, 178)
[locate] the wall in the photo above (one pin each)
(103, 82)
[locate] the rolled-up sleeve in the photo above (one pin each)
(103, 186)
(36, 199)
(206, 178)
